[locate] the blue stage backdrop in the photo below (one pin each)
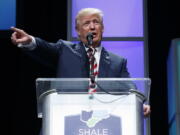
(7, 14)
(173, 72)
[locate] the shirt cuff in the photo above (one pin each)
(31, 46)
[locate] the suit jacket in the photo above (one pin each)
(70, 60)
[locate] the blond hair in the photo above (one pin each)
(88, 11)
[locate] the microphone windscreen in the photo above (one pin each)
(89, 38)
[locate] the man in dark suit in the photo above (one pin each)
(70, 60)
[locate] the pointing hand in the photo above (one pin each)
(20, 36)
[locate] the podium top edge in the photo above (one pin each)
(100, 79)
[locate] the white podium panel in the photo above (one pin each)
(76, 114)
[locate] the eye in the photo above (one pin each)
(86, 23)
(96, 21)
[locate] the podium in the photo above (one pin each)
(116, 108)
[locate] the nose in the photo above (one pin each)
(92, 26)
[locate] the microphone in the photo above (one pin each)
(89, 38)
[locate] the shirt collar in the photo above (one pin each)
(98, 48)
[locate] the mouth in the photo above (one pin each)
(94, 34)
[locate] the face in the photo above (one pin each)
(90, 23)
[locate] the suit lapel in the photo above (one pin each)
(81, 52)
(104, 63)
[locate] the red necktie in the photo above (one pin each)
(93, 70)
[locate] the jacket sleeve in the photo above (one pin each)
(45, 53)
(124, 71)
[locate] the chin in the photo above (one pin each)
(96, 40)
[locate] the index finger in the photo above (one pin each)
(16, 30)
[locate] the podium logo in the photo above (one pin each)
(93, 117)
(95, 122)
